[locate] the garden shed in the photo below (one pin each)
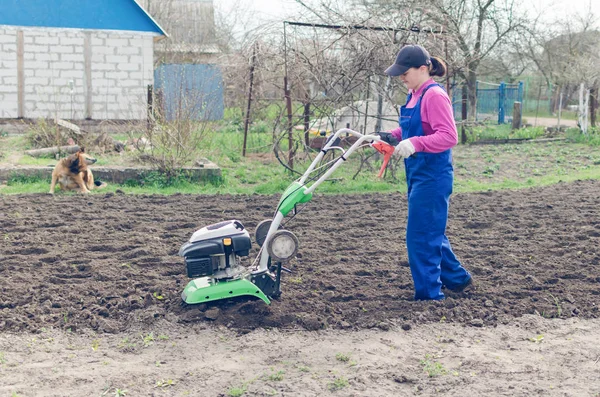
(76, 59)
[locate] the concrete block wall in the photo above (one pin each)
(75, 74)
(8, 73)
(122, 67)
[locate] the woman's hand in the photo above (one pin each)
(404, 149)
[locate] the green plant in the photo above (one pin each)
(557, 304)
(120, 393)
(537, 339)
(592, 138)
(432, 368)
(237, 391)
(276, 376)
(342, 357)
(165, 383)
(127, 345)
(158, 296)
(148, 339)
(338, 384)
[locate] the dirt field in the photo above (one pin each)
(89, 300)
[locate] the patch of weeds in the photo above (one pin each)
(338, 384)
(163, 337)
(558, 307)
(433, 368)
(490, 170)
(276, 376)
(148, 339)
(120, 393)
(95, 344)
(26, 179)
(158, 296)
(537, 339)
(295, 280)
(303, 368)
(237, 391)
(126, 345)
(165, 383)
(342, 357)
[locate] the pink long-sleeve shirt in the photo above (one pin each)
(437, 119)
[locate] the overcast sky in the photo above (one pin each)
(265, 10)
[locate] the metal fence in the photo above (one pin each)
(189, 91)
(494, 101)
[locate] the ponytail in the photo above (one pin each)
(437, 67)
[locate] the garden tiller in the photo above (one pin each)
(213, 254)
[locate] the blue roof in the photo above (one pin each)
(78, 14)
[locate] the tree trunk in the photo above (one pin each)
(472, 91)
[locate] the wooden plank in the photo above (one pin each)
(70, 126)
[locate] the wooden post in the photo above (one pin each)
(463, 132)
(516, 122)
(288, 105)
(592, 105)
(150, 108)
(368, 94)
(560, 100)
(247, 119)
(380, 104)
(306, 119)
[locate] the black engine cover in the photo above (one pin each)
(199, 259)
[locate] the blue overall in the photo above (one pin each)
(429, 177)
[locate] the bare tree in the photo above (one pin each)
(472, 30)
(565, 51)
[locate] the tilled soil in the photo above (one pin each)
(108, 261)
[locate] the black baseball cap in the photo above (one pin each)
(410, 56)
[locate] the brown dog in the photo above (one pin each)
(72, 173)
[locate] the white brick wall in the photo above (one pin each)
(54, 60)
(115, 56)
(8, 74)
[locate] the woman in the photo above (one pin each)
(427, 133)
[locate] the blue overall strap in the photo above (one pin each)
(410, 118)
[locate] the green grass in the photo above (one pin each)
(503, 131)
(477, 167)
